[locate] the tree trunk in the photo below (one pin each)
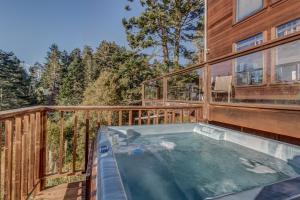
(177, 33)
(177, 47)
(165, 49)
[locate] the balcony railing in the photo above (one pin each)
(257, 88)
(47, 143)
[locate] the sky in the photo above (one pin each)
(29, 27)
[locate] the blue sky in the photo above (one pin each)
(29, 27)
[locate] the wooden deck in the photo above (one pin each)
(68, 191)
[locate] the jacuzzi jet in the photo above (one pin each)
(104, 149)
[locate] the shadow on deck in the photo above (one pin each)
(68, 191)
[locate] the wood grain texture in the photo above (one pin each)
(223, 31)
(8, 159)
(67, 191)
(18, 158)
(270, 120)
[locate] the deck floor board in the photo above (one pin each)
(68, 191)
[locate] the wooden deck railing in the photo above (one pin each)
(46, 145)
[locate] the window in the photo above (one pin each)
(186, 87)
(287, 64)
(288, 28)
(249, 69)
(246, 8)
(249, 42)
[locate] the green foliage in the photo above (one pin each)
(14, 83)
(52, 77)
(120, 81)
(72, 87)
(166, 25)
(35, 90)
(88, 61)
(108, 56)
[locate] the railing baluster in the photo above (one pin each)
(37, 147)
(166, 116)
(44, 149)
(109, 118)
(98, 120)
(61, 143)
(148, 117)
(197, 115)
(25, 155)
(120, 118)
(32, 153)
(87, 139)
(173, 116)
(75, 132)
(18, 154)
(8, 159)
(181, 116)
(200, 117)
(1, 135)
(130, 118)
(140, 117)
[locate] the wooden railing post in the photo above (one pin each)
(166, 116)
(140, 117)
(8, 159)
(31, 152)
(61, 143)
(110, 118)
(18, 158)
(43, 150)
(181, 116)
(75, 132)
(130, 118)
(25, 158)
(38, 138)
(98, 121)
(173, 116)
(148, 117)
(87, 139)
(120, 118)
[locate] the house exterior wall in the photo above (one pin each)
(223, 30)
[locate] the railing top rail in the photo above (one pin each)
(15, 112)
(83, 108)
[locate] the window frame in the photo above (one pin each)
(264, 72)
(274, 54)
(265, 3)
(263, 33)
(277, 26)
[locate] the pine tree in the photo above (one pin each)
(14, 82)
(72, 88)
(107, 56)
(89, 65)
(167, 25)
(120, 80)
(52, 77)
(35, 91)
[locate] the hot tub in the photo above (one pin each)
(188, 161)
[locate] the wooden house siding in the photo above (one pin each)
(223, 31)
